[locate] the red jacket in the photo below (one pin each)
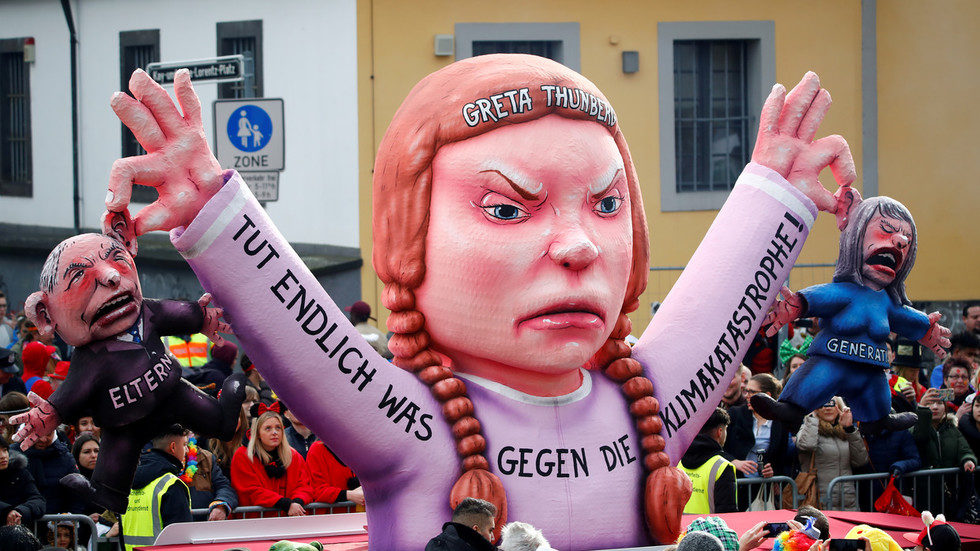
(328, 474)
(255, 487)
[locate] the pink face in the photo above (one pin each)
(96, 292)
(529, 248)
(886, 244)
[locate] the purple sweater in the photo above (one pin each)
(571, 465)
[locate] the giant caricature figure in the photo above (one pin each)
(865, 302)
(510, 235)
(121, 373)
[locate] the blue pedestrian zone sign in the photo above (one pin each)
(249, 128)
(249, 135)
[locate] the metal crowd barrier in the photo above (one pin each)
(935, 490)
(262, 512)
(40, 528)
(95, 541)
(767, 492)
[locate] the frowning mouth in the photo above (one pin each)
(570, 314)
(114, 309)
(885, 260)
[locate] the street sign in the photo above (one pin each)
(264, 185)
(227, 68)
(249, 134)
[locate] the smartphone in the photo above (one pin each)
(945, 394)
(846, 545)
(773, 529)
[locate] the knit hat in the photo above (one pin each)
(717, 527)
(360, 308)
(225, 353)
(700, 541)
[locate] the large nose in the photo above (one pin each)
(573, 249)
(900, 240)
(108, 276)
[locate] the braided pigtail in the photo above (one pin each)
(666, 489)
(410, 345)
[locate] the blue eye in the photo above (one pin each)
(609, 205)
(505, 212)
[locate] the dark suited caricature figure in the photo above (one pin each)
(121, 374)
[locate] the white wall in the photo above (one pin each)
(51, 204)
(310, 61)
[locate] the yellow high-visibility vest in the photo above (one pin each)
(703, 479)
(141, 523)
(192, 353)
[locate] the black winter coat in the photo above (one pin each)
(47, 467)
(458, 537)
(17, 491)
(175, 506)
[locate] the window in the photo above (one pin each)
(557, 41)
(713, 79)
(137, 49)
(242, 37)
(16, 174)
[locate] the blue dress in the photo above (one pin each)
(848, 357)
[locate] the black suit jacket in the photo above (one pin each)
(741, 440)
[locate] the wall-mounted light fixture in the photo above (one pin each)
(29, 49)
(443, 45)
(631, 61)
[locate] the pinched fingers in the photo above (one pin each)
(138, 118)
(143, 170)
(797, 103)
(156, 216)
(158, 101)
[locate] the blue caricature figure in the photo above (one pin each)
(865, 302)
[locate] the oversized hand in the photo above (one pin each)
(785, 142)
(212, 321)
(937, 337)
(783, 311)
(40, 420)
(178, 163)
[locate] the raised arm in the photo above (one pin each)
(374, 415)
(700, 334)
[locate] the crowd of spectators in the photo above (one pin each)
(830, 444)
(275, 461)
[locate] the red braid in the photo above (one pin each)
(666, 489)
(410, 345)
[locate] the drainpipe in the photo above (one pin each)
(73, 47)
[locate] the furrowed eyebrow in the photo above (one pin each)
(527, 189)
(74, 265)
(606, 181)
(112, 247)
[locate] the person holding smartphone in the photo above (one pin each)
(829, 434)
(941, 445)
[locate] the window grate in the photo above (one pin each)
(550, 49)
(15, 126)
(135, 57)
(246, 46)
(711, 115)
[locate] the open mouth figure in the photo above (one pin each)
(865, 302)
